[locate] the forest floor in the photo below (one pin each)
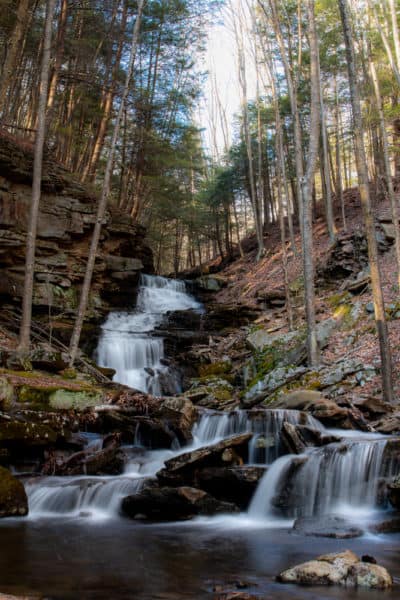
(246, 281)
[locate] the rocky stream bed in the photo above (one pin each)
(242, 465)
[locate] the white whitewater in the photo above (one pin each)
(341, 478)
(265, 445)
(126, 343)
(100, 497)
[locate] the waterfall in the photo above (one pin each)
(341, 478)
(126, 343)
(265, 446)
(79, 496)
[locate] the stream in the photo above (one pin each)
(74, 543)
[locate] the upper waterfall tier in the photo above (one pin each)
(126, 344)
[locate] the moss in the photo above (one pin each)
(273, 356)
(27, 393)
(13, 500)
(309, 381)
(69, 373)
(216, 368)
(337, 300)
(69, 399)
(6, 393)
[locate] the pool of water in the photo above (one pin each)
(120, 559)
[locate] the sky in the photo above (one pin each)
(221, 63)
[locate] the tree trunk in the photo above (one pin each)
(22, 23)
(25, 330)
(388, 176)
(361, 162)
(306, 188)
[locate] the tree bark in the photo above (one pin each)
(25, 330)
(23, 18)
(361, 162)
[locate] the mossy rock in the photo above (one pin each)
(79, 400)
(33, 395)
(6, 393)
(13, 499)
(216, 368)
(14, 433)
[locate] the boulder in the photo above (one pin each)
(370, 576)
(172, 504)
(180, 414)
(231, 484)
(388, 424)
(321, 408)
(213, 455)
(269, 384)
(344, 568)
(329, 526)
(297, 438)
(13, 499)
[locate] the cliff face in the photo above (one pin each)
(67, 215)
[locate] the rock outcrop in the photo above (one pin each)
(66, 218)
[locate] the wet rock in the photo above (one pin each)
(172, 504)
(25, 434)
(180, 414)
(323, 409)
(297, 438)
(388, 423)
(107, 461)
(235, 596)
(369, 576)
(373, 407)
(230, 452)
(329, 526)
(394, 493)
(232, 484)
(149, 431)
(389, 523)
(13, 499)
(344, 568)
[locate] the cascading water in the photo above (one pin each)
(341, 478)
(126, 343)
(265, 446)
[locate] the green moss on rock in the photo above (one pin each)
(69, 399)
(13, 500)
(216, 368)
(6, 393)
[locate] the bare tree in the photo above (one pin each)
(361, 161)
(25, 330)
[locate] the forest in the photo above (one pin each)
(200, 276)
